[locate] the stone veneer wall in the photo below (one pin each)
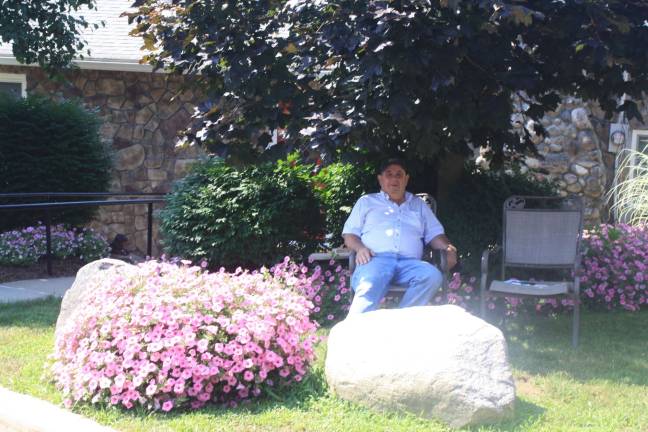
(141, 118)
(574, 153)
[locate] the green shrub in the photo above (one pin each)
(241, 217)
(472, 214)
(48, 146)
(337, 187)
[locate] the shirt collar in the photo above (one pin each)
(408, 196)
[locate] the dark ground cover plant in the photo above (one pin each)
(249, 216)
(49, 146)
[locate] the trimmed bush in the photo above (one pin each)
(172, 336)
(472, 214)
(241, 217)
(48, 146)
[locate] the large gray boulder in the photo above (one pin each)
(86, 279)
(433, 361)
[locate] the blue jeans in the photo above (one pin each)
(371, 281)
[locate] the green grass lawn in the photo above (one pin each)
(601, 386)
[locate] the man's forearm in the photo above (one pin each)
(440, 242)
(363, 253)
(353, 242)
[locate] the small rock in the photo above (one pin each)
(570, 178)
(130, 158)
(532, 163)
(574, 188)
(110, 87)
(579, 170)
(580, 118)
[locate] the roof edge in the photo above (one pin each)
(118, 66)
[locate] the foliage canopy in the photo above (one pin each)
(43, 32)
(416, 76)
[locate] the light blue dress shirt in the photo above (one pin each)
(386, 227)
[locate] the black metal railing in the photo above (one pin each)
(47, 207)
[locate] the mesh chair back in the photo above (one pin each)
(541, 236)
(429, 200)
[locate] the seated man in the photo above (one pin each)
(388, 230)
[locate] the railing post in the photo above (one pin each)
(149, 233)
(48, 241)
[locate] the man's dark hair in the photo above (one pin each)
(393, 161)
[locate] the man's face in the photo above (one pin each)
(393, 181)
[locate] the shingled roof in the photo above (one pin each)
(111, 48)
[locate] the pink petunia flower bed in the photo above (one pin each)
(326, 286)
(615, 267)
(175, 336)
(614, 275)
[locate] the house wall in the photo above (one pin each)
(141, 118)
(575, 154)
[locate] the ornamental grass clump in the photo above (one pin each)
(615, 267)
(170, 336)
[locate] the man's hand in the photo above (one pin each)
(452, 256)
(363, 255)
(441, 242)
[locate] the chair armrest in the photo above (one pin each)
(484, 265)
(486, 254)
(443, 261)
(352, 263)
(484, 278)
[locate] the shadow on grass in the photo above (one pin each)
(298, 398)
(612, 346)
(307, 396)
(526, 413)
(32, 314)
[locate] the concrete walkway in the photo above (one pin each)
(34, 289)
(23, 413)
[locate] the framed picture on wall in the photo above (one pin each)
(619, 135)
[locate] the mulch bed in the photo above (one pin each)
(60, 268)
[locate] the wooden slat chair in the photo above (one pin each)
(439, 258)
(538, 233)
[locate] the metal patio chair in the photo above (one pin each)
(538, 233)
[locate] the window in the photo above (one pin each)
(13, 84)
(640, 140)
